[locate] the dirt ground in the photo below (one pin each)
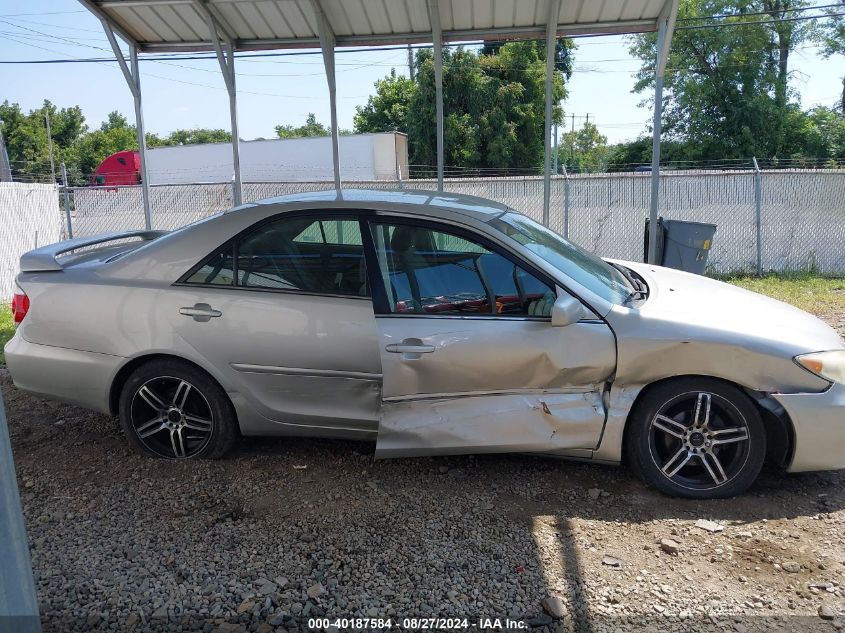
(284, 531)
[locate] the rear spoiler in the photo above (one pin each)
(46, 257)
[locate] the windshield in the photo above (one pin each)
(573, 261)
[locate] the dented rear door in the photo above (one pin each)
(470, 360)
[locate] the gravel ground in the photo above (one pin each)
(287, 530)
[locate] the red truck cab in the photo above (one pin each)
(121, 168)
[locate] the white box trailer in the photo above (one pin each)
(379, 156)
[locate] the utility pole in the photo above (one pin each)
(411, 62)
(555, 145)
(50, 144)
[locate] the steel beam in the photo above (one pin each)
(97, 9)
(18, 601)
(386, 39)
(142, 138)
(226, 59)
(551, 41)
(327, 44)
(437, 40)
(133, 80)
(665, 29)
(209, 12)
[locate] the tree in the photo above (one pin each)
(388, 109)
(831, 35)
(727, 88)
(311, 128)
(584, 150)
(193, 136)
(493, 101)
(27, 142)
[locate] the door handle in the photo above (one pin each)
(410, 348)
(400, 348)
(201, 312)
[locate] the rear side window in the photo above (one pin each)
(321, 255)
(217, 271)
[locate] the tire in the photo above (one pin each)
(171, 409)
(699, 438)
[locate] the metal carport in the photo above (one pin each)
(227, 26)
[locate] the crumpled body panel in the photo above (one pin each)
(519, 422)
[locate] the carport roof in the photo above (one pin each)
(180, 25)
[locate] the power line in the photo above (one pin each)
(759, 22)
(745, 15)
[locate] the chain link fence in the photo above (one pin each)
(801, 212)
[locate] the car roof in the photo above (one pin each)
(438, 204)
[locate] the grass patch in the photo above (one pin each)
(7, 328)
(822, 296)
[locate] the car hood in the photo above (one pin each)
(695, 303)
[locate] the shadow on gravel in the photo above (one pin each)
(245, 539)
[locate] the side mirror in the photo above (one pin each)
(566, 311)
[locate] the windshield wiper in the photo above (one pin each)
(638, 289)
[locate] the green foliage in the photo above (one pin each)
(493, 103)
(312, 127)
(727, 87)
(7, 328)
(26, 140)
(822, 296)
(387, 110)
(830, 33)
(81, 149)
(193, 136)
(584, 150)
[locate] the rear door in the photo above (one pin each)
(470, 359)
(285, 313)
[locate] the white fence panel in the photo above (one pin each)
(29, 216)
(803, 212)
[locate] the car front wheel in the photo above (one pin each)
(173, 410)
(696, 437)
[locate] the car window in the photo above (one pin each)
(432, 271)
(217, 271)
(300, 253)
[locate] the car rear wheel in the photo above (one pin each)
(173, 410)
(696, 437)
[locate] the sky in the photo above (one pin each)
(283, 90)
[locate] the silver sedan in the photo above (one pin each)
(431, 324)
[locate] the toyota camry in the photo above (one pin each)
(430, 324)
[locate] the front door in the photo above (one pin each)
(471, 362)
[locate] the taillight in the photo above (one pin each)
(20, 306)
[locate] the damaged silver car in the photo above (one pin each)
(432, 324)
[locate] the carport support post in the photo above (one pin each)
(758, 214)
(218, 31)
(551, 41)
(437, 41)
(227, 67)
(327, 44)
(665, 28)
(655, 152)
(142, 138)
(66, 200)
(133, 80)
(565, 203)
(18, 602)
